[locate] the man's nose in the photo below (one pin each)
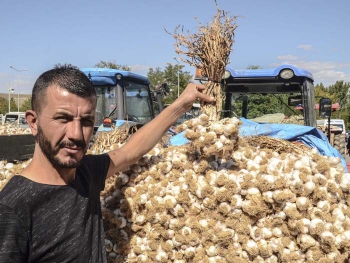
(75, 131)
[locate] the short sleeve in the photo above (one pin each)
(102, 166)
(96, 166)
(14, 240)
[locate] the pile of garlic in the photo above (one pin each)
(9, 169)
(217, 199)
(12, 129)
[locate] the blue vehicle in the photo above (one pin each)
(123, 96)
(288, 89)
(286, 86)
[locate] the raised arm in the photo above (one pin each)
(149, 135)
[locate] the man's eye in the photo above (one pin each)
(87, 122)
(62, 119)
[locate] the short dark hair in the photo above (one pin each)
(64, 76)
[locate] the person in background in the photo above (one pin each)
(51, 212)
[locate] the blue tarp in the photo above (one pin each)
(117, 124)
(309, 136)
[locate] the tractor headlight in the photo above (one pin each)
(107, 122)
(287, 74)
(226, 75)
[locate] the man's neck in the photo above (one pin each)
(42, 171)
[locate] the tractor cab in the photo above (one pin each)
(270, 95)
(122, 96)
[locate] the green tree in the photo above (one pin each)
(26, 105)
(112, 65)
(322, 92)
(4, 105)
(156, 76)
(170, 76)
(267, 104)
(340, 91)
(13, 105)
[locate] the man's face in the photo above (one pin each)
(65, 126)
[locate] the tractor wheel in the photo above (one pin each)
(339, 144)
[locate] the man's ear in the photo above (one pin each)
(32, 119)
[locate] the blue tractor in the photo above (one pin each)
(285, 87)
(123, 96)
(267, 99)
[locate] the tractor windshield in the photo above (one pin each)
(138, 103)
(106, 101)
(266, 108)
(121, 96)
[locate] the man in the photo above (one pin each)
(51, 212)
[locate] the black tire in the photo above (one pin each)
(339, 144)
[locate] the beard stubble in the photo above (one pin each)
(51, 153)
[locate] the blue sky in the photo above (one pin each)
(35, 35)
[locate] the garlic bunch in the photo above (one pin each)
(9, 169)
(13, 129)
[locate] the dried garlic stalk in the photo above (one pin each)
(209, 50)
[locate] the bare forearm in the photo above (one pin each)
(149, 135)
(144, 139)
